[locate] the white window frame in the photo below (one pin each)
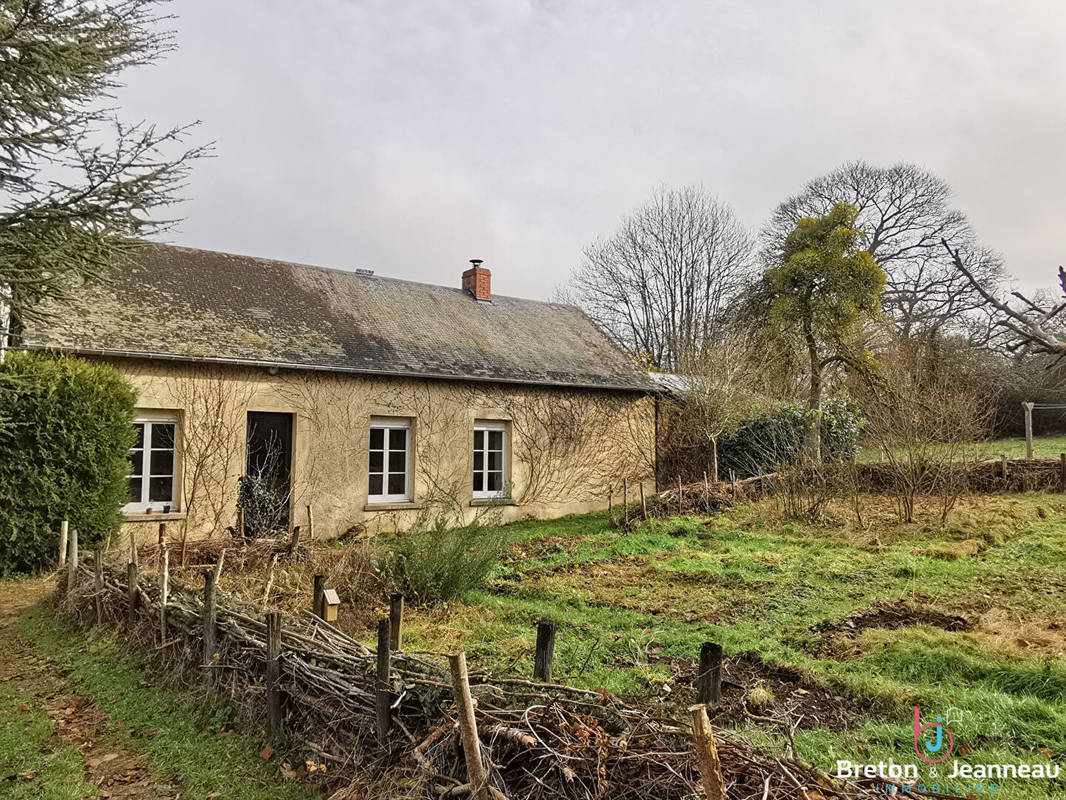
(144, 504)
(486, 426)
(388, 424)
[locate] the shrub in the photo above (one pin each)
(432, 562)
(66, 427)
(774, 437)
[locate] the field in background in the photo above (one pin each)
(837, 630)
(1043, 447)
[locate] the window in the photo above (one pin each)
(490, 458)
(390, 458)
(152, 465)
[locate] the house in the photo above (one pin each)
(365, 400)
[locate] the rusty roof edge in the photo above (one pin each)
(249, 362)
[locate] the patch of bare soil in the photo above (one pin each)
(892, 615)
(755, 691)
(112, 769)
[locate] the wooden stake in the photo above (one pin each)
(310, 524)
(164, 594)
(1003, 465)
(218, 564)
(706, 491)
(610, 506)
(384, 687)
(64, 528)
(542, 660)
(317, 590)
(707, 754)
(643, 504)
(1028, 408)
(133, 548)
(709, 677)
(477, 778)
(680, 496)
(160, 544)
(395, 620)
(733, 485)
(625, 501)
(294, 541)
(131, 595)
(273, 672)
(98, 583)
(208, 623)
(72, 558)
(1062, 472)
(240, 522)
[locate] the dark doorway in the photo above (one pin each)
(268, 470)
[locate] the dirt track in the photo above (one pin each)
(112, 769)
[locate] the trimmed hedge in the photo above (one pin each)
(66, 426)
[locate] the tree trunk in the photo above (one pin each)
(714, 459)
(813, 432)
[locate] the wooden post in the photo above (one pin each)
(733, 485)
(98, 584)
(72, 559)
(208, 623)
(131, 595)
(1062, 472)
(218, 565)
(273, 671)
(625, 501)
(161, 542)
(164, 594)
(310, 524)
(133, 548)
(395, 620)
(643, 504)
(680, 497)
(294, 540)
(610, 506)
(707, 754)
(1003, 465)
(709, 677)
(706, 491)
(542, 660)
(64, 528)
(477, 778)
(317, 603)
(1028, 429)
(240, 522)
(384, 687)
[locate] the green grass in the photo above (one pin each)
(183, 745)
(30, 765)
(1043, 447)
(627, 604)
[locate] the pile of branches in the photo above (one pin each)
(701, 497)
(202, 553)
(539, 740)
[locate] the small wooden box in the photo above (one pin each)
(330, 603)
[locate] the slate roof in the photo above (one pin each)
(182, 303)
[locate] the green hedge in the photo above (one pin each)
(66, 427)
(774, 437)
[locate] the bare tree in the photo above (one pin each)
(723, 385)
(658, 284)
(1035, 326)
(904, 213)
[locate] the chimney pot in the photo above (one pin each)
(478, 280)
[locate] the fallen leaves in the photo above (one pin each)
(266, 753)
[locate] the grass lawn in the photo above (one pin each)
(971, 615)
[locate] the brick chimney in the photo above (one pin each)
(478, 280)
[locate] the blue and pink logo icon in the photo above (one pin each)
(936, 746)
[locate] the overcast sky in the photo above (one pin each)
(409, 137)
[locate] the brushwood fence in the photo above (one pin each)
(365, 711)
